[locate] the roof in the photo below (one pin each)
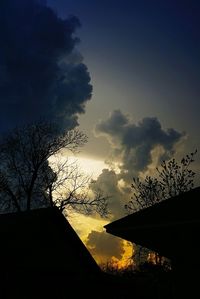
(170, 227)
(43, 238)
(39, 249)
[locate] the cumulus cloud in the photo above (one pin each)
(104, 246)
(132, 143)
(108, 183)
(41, 76)
(133, 147)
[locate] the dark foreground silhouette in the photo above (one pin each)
(171, 228)
(42, 257)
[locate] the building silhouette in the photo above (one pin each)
(42, 256)
(172, 229)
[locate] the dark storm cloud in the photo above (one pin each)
(40, 75)
(133, 143)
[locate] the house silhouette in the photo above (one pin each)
(172, 229)
(42, 256)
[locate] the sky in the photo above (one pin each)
(143, 58)
(127, 72)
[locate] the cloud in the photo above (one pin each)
(104, 246)
(41, 74)
(133, 147)
(132, 144)
(108, 183)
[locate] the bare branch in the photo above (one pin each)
(173, 178)
(31, 175)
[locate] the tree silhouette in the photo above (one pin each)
(27, 178)
(172, 178)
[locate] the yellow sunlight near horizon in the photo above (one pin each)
(84, 225)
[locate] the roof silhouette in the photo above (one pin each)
(42, 257)
(170, 227)
(40, 249)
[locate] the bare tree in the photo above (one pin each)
(172, 179)
(28, 180)
(70, 189)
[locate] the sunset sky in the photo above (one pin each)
(144, 62)
(131, 83)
